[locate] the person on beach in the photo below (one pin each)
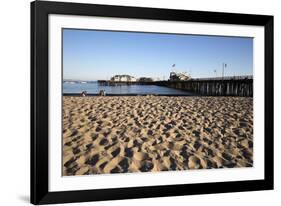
(84, 93)
(102, 93)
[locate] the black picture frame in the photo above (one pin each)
(39, 101)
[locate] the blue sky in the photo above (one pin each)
(93, 55)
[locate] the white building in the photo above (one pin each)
(123, 78)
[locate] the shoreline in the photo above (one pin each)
(128, 94)
(134, 94)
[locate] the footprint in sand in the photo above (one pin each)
(104, 142)
(92, 161)
(194, 162)
(116, 152)
(124, 164)
(128, 152)
(146, 166)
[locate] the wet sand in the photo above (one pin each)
(156, 133)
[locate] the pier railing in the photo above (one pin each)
(226, 78)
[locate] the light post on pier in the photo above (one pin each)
(223, 67)
(223, 86)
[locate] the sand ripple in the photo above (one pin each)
(150, 133)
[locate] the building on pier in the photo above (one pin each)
(178, 76)
(123, 78)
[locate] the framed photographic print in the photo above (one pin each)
(131, 102)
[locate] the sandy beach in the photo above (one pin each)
(155, 133)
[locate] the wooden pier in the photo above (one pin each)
(238, 87)
(207, 87)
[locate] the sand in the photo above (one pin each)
(155, 133)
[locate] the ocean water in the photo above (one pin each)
(95, 88)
